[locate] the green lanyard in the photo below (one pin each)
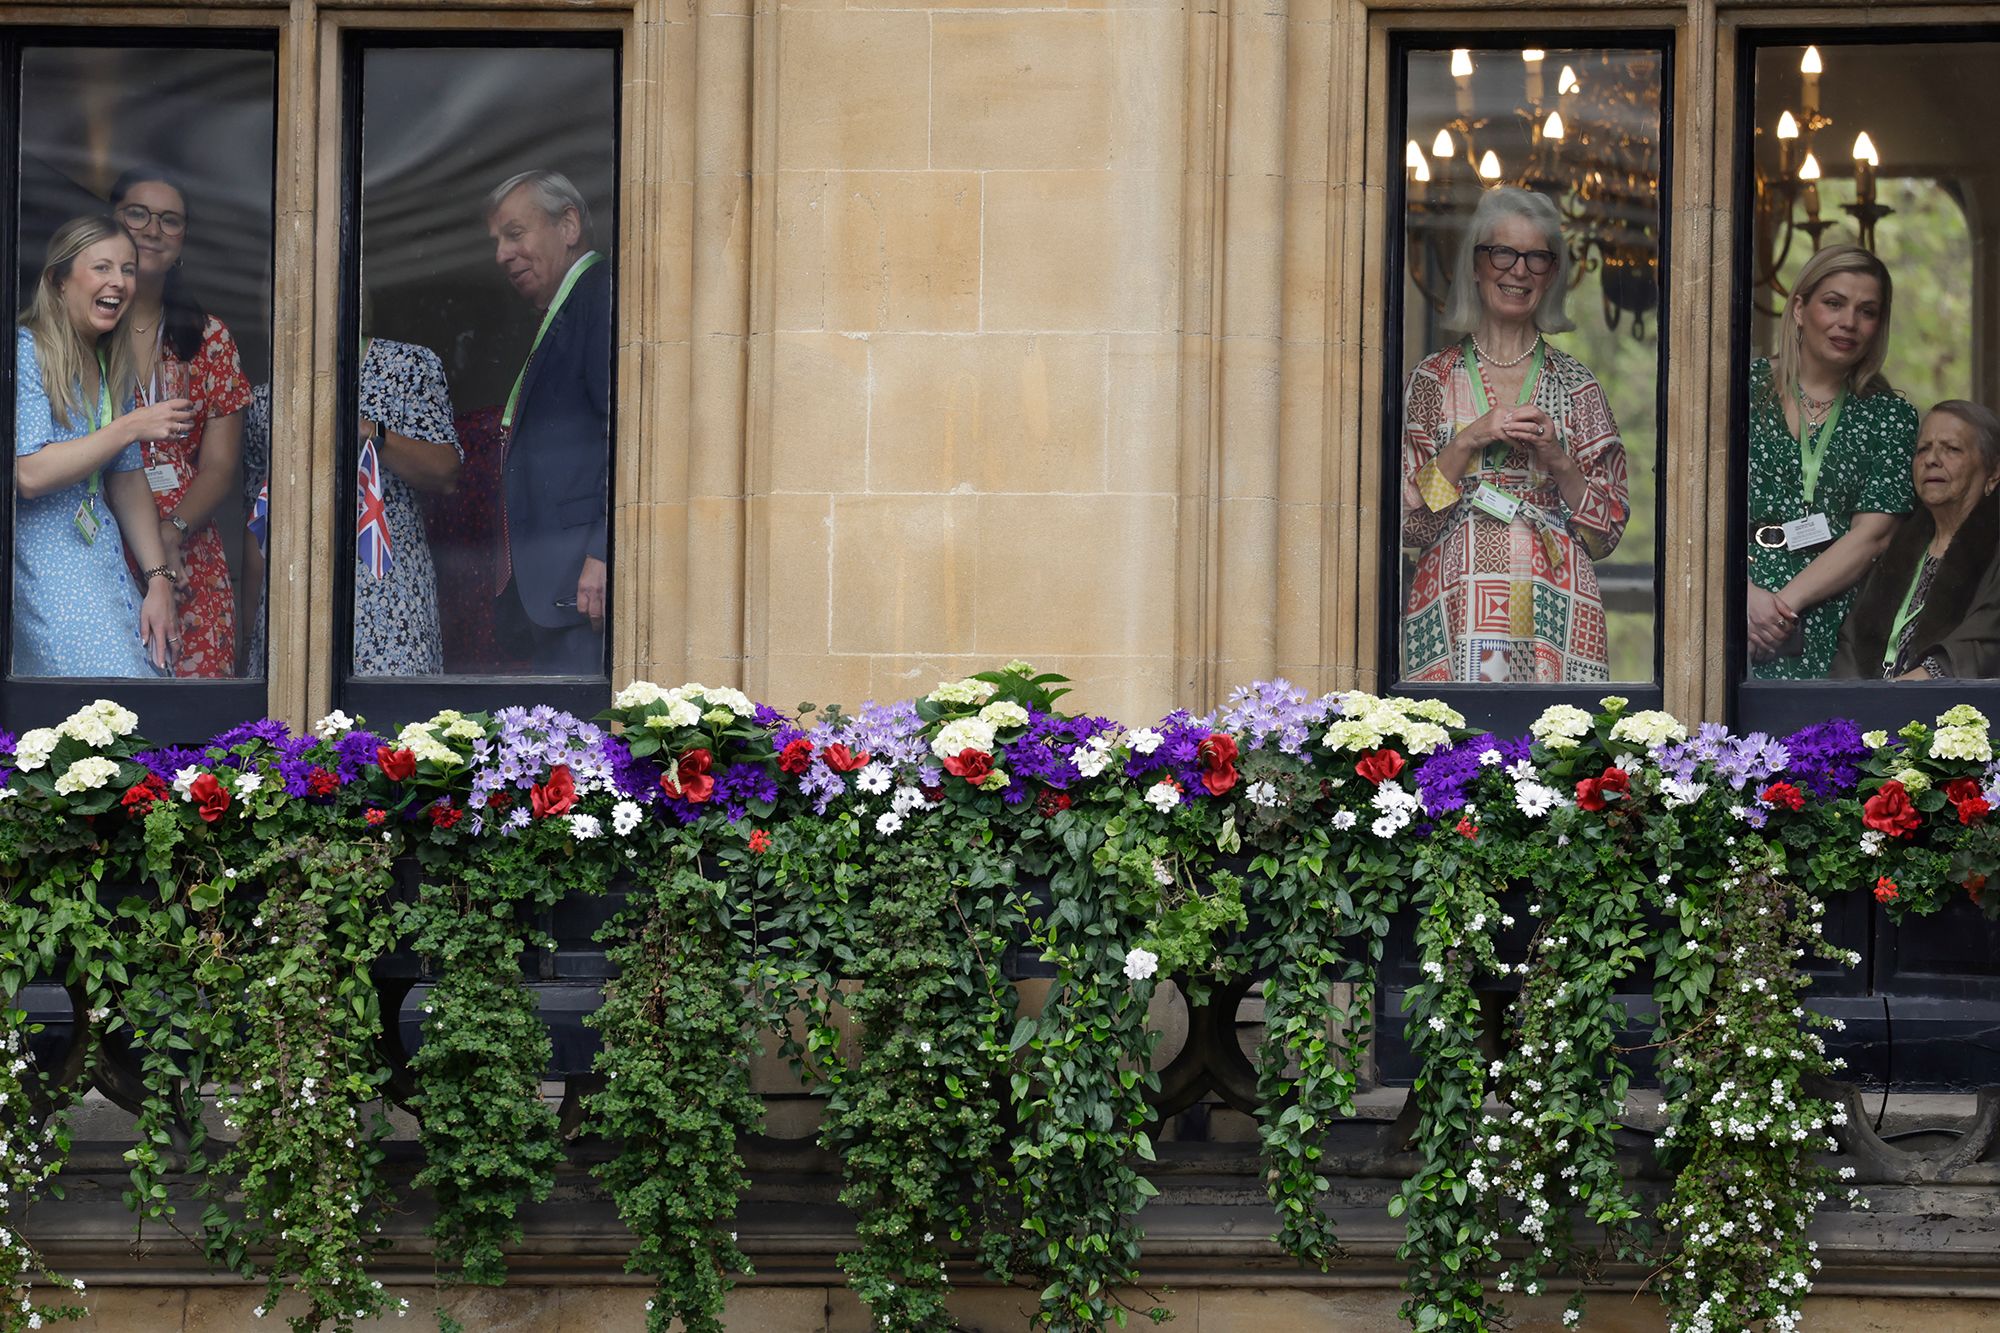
(1479, 396)
(1813, 443)
(577, 270)
(103, 413)
(1904, 615)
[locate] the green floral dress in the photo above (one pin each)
(1866, 471)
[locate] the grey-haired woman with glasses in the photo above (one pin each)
(1513, 472)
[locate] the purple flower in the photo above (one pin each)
(532, 741)
(1042, 754)
(1178, 754)
(1269, 710)
(1826, 757)
(7, 744)
(168, 760)
(354, 753)
(1443, 779)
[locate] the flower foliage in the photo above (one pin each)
(858, 888)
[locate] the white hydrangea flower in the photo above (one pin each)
(1144, 741)
(33, 749)
(965, 733)
(86, 774)
(967, 691)
(335, 725)
(1970, 743)
(1140, 964)
(1561, 726)
(638, 694)
(875, 778)
(626, 816)
(1424, 737)
(121, 720)
(1651, 728)
(1874, 740)
(1004, 713)
(1163, 796)
(723, 696)
(1353, 733)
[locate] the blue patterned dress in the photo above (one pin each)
(76, 607)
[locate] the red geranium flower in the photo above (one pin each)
(760, 841)
(498, 800)
(1378, 766)
(841, 759)
(138, 799)
(1967, 799)
(444, 814)
(975, 766)
(933, 792)
(1889, 811)
(1784, 794)
(797, 756)
(397, 765)
(555, 796)
(1467, 828)
(1885, 890)
(211, 798)
(1051, 802)
(1974, 883)
(689, 779)
(322, 782)
(374, 816)
(1217, 757)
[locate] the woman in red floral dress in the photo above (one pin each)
(189, 477)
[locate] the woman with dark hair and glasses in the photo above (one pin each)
(1513, 472)
(180, 350)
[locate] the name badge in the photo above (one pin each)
(162, 477)
(1805, 533)
(1496, 503)
(87, 521)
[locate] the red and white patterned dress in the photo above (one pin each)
(1508, 601)
(206, 599)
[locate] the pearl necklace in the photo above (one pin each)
(1504, 365)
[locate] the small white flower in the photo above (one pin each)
(334, 725)
(184, 782)
(247, 783)
(1140, 964)
(1264, 794)
(1145, 740)
(626, 816)
(875, 778)
(888, 823)
(1163, 796)
(1344, 820)
(1489, 758)
(584, 827)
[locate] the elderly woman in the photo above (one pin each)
(1830, 446)
(1930, 607)
(1513, 472)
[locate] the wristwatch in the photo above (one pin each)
(180, 524)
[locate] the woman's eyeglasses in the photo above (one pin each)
(136, 216)
(1504, 257)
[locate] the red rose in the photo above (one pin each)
(1217, 756)
(211, 798)
(1590, 794)
(1467, 828)
(397, 765)
(1615, 781)
(975, 766)
(760, 841)
(1967, 799)
(797, 756)
(1889, 811)
(374, 816)
(841, 759)
(138, 799)
(689, 779)
(444, 814)
(322, 782)
(1885, 890)
(1378, 766)
(555, 796)
(933, 792)
(1784, 794)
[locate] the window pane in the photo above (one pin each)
(144, 246)
(1530, 341)
(1861, 179)
(483, 451)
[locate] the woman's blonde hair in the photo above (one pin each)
(1462, 309)
(1866, 378)
(62, 351)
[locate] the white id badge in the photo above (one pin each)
(162, 477)
(1802, 534)
(87, 521)
(1493, 501)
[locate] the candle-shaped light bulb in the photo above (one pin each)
(1441, 146)
(1809, 63)
(1566, 82)
(1865, 162)
(1809, 69)
(1809, 169)
(1413, 156)
(1489, 166)
(1553, 127)
(1420, 170)
(1809, 173)
(1532, 57)
(1787, 127)
(1461, 64)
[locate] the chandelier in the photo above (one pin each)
(1592, 146)
(1788, 201)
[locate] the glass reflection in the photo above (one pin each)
(1537, 192)
(483, 461)
(144, 239)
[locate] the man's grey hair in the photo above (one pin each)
(1462, 309)
(553, 191)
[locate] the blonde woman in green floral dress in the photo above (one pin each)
(1830, 446)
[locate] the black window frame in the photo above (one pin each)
(1510, 707)
(404, 697)
(169, 709)
(1782, 707)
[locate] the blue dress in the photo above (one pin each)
(76, 606)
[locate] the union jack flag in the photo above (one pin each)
(371, 520)
(259, 521)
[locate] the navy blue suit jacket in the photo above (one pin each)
(557, 484)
